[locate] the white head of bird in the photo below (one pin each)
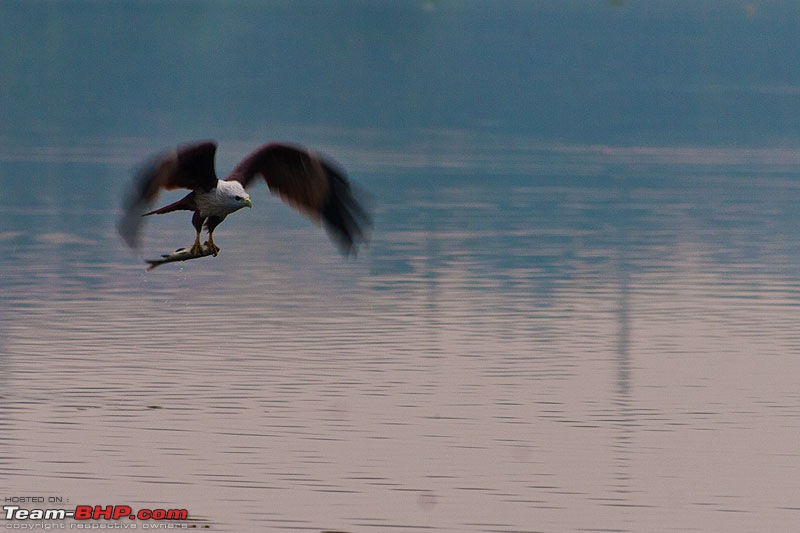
(232, 196)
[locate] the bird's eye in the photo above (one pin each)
(238, 198)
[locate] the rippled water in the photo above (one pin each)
(538, 338)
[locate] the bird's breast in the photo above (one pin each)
(209, 204)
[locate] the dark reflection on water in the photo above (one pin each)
(587, 340)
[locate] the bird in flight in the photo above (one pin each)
(305, 180)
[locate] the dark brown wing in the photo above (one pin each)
(189, 167)
(313, 186)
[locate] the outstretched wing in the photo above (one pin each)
(189, 167)
(313, 186)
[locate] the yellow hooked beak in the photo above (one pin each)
(248, 203)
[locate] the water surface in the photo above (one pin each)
(604, 339)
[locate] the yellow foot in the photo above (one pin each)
(211, 245)
(196, 249)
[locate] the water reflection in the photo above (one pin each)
(609, 345)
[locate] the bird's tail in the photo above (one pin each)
(183, 204)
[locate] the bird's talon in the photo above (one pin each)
(213, 247)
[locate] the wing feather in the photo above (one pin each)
(189, 167)
(312, 185)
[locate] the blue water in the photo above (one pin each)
(577, 309)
